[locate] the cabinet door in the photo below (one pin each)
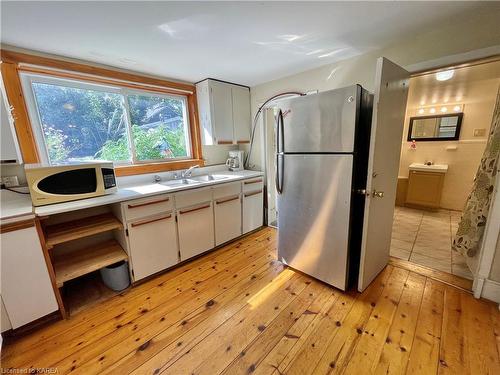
(10, 149)
(241, 114)
(153, 245)
(227, 219)
(252, 210)
(222, 112)
(196, 230)
(26, 287)
(424, 188)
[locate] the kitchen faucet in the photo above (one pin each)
(189, 172)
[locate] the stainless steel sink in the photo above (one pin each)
(180, 182)
(209, 177)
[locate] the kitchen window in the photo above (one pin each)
(75, 121)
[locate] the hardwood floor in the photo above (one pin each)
(238, 311)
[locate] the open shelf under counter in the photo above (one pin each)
(69, 266)
(72, 230)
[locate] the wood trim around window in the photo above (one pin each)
(12, 65)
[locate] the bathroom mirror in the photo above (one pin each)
(435, 128)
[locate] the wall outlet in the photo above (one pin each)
(479, 132)
(10, 181)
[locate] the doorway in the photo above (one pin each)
(427, 213)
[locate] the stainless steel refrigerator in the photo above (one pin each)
(321, 167)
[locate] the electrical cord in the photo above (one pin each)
(16, 191)
(256, 117)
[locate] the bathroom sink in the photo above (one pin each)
(437, 168)
(209, 177)
(180, 182)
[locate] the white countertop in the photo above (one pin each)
(14, 205)
(438, 168)
(127, 192)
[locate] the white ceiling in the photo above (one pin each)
(249, 42)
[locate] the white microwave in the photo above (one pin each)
(50, 184)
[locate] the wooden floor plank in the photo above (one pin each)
(238, 310)
(398, 343)
(454, 355)
(480, 336)
(424, 355)
(371, 341)
(340, 349)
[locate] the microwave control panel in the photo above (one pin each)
(108, 175)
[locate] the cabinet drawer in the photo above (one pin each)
(253, 184)
(190, 198)
(226, 190)
(148, 206)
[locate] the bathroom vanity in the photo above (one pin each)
(425, 185)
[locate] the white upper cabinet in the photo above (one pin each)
(224, 112)
(241, 114)
(9, 150)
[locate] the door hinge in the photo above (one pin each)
(126, 232)
(176, 218)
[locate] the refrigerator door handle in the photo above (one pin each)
(280, 167)
(280, 144)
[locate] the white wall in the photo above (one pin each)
(479, 31)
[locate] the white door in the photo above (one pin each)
(196, 230)
(241, 114)
(153, 245)
(253, 210)
(227, 219)
(26, 287)
(222, 111)
(389, 107)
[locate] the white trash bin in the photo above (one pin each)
(116, 276)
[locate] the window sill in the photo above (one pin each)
(130, 170)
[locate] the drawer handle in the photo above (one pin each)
(242, 142)
(230, 199)
(150, 221)
(194, 209)
(252, 182)
(225, 142)
(253, 193)
(147, 203)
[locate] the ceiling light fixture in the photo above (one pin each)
(444, 109)
(421, 111)
(445, 75)
(456, 108)
(432, 110)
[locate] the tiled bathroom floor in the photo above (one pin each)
(425, 238)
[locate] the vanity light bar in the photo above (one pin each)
(444, 109)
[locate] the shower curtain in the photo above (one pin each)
(471, 227)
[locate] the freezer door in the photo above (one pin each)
(323, 122)
(314, 214)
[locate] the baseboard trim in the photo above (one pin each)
(491, 290)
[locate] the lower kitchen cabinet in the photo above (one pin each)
(253, 210)
(227, 212)
(153, 244)
(27, 291)
(195, 226)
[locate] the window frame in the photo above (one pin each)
(27, 80)
(15, 63)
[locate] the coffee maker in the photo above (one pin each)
(235, 161)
